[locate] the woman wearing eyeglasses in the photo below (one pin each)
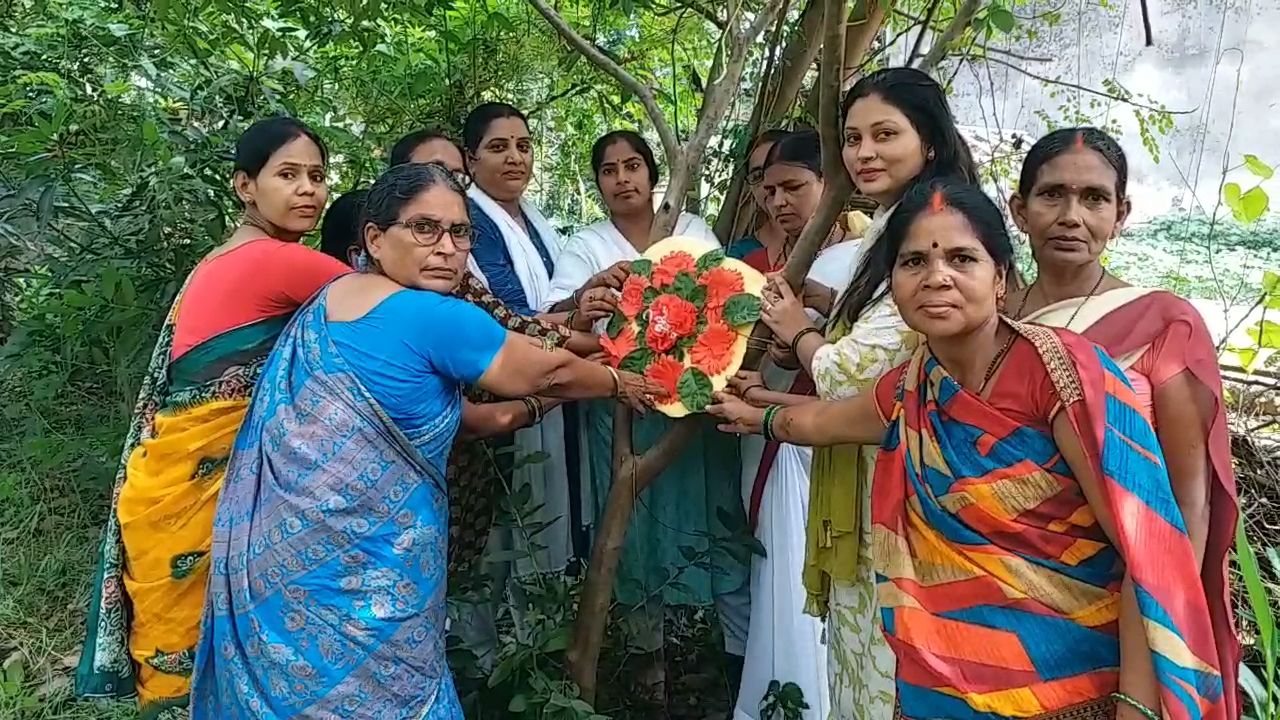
(327, 581)
(767, 233)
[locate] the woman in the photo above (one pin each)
(144, 616)
(898, 130)
(1031, 561)
(684, 504)
(766, 232)
(514, 256)
(474, 475)
(1071, 203)
(783, 642)
(327, 593)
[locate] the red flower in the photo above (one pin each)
(670, 318)
(722, 283)
(714, 348)
(633, 295)
(666, 370)
(664, 273)
(619, 347)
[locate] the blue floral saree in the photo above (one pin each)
(327, 582)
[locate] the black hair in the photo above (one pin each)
(404, 147)
(1060, 141)
(870, 284)
(262, 139)
(479, 120)
(919, 97)
(399, 185)
(341, 227)
(635, 141)
(772, 135)
(801, 149)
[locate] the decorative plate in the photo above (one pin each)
(683, 320)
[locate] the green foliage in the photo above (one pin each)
(1263, 693)
(694, 389)
(741, 309)
(783, 702)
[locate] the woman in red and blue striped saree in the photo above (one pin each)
(1031, 559)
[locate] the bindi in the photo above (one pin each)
(935, 246)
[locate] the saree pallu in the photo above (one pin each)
(1127, 322)
(149, 590)
(1000, 592)
(327, 580)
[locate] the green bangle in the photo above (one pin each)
(1147, 712)
(766, 426)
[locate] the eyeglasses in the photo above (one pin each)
(427, 232)
(755, 176)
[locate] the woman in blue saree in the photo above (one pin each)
(327, 583)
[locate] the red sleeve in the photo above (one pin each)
(887, 392)
(1168, 354)
(298, 272)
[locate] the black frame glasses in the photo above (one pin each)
(755, 176)
(427, 232)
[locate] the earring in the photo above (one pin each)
(929, 155)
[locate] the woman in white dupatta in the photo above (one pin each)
(513, 254)
(687, 501)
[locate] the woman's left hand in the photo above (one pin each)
(596, 303)
(781, 310)
(637, 391)
(744, 381)
(738, 417)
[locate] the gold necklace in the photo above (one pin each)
(1087, 298)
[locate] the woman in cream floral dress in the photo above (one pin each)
(898, 129)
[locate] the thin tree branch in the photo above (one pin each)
(959, 23)
(670, 145)
(575, 89)
(1085, 89)
(698, 8)
(796, 60)
(1016, 56)
(928, 18)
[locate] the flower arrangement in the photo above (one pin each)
(683, 319)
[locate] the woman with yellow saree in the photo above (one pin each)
(1031, 560)
(148, 595)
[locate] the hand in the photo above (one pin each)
(637, 391)
(738, 417)
(610, 278)
(598, 356)
(595, 304)
(818, 297)
(781, 310)
(744, 382)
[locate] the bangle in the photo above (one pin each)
(568, 321)
(532, 406)
(766, 426)
(795, 341)
(747, 391)
(577, 297)
(1147, 712)
(617, 381)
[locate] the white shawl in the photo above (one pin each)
(597, 246)
(525, 260)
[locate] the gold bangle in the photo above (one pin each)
(617, 381)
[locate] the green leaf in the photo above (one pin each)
(1001, 19)
(637, 361)
(518, 704)
(694, 389)
(642, 267)
(1257, 167)
(1231, 195)
(616, 322)
(650, 294)
(710, 260)
(742, 309)
(684, 285)
(1256, 591)
(1253, 205)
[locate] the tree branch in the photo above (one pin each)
(959, 23)
(837, 184)
(864, 25)
(928, 18)
(796, 60)
(1085, 89)
(698, 8)
(596, 56)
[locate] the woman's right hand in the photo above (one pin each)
(638, 391)
(594, 304)
(610, 278)
(817, 296)
(744, 382)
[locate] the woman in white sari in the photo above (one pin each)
(687, 501)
